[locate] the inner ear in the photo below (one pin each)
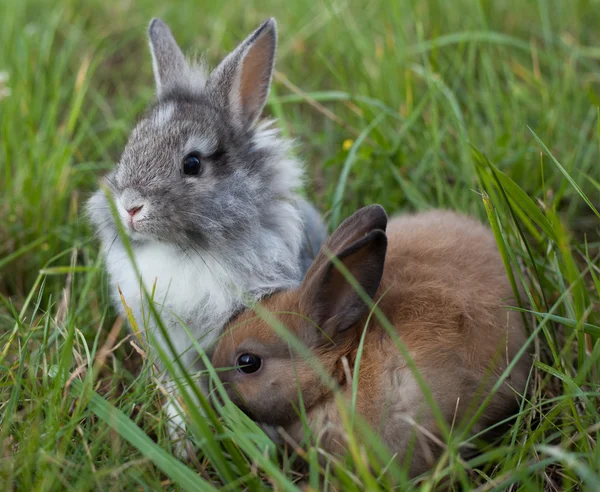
(257, 67)
(331, 295)
(349, 232)
(242, 81)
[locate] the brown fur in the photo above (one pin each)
(444, 288)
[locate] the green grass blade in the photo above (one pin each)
(174, 469)
(564, 172)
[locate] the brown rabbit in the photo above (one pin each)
(443, 287)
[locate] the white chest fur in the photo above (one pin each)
(197, 291)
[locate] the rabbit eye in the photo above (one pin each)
(192, 165)
(248, 363)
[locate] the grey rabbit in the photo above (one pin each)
(207, 195)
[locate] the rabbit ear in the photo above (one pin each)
(241, 82)
(327, 296)
(360, 223)
(170, 67)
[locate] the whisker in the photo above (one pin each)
(211, 255)
(200, 216)
(217, 278)
(112, 243)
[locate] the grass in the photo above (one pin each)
(490, 108)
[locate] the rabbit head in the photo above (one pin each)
(198, 169)
(260, 371)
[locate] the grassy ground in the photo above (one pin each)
(412, 104)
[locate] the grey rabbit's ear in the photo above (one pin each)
(171, 70)
(242, 81)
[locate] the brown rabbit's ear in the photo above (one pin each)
(360, 223)
(327, 296)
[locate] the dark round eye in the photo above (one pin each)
(192, 165)
(248, 363)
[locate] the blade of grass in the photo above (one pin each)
(179, 473)
(565, 173)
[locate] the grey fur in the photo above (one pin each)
(216, 241)
(315, 234)
(170, 67)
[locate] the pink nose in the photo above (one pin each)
(134, 210)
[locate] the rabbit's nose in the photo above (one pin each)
(134, 210)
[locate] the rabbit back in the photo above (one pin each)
(450, 289)
(445, 291)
